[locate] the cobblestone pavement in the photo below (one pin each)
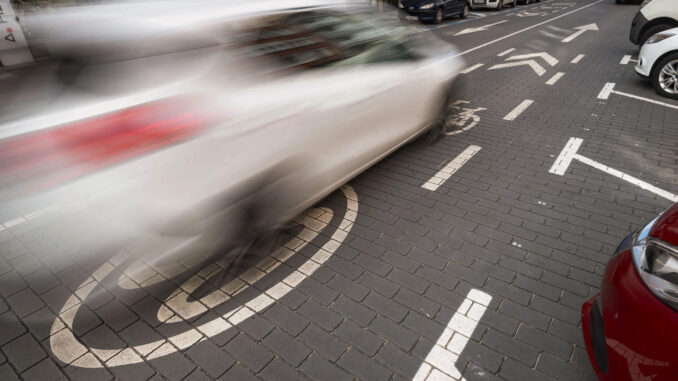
(465, 257)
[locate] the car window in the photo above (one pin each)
(314, 39)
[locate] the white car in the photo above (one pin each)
(653, 17)
(658, 61)
(205, 123)
(492, 4)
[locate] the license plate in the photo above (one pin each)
(478, 1)
(412, 18)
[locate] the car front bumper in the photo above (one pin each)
(629, 333)
(492, 4)
(423, 14)
(637, 25)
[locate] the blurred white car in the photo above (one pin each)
(658, 61)
(204, 123)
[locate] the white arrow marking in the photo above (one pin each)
(580, 31)
(569, 153)
(532, 63)
(547, 57)
(479, 29)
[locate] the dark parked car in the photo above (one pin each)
(629, 328)
(435, 10)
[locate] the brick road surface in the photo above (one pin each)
(482, 277)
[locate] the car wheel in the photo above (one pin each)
(465, 11)
(528, 2)
(652, 31)
(618, 1)
(665, 76)
(500, 6)
(439, 16)
(513, 4)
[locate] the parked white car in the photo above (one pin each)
(653, 17)
(658, 61)
(492, 4)
(203, 123)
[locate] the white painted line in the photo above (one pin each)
(566, 155)
(581, 30)
(66, 347)
(555, 78)
(470, 69)
(531, 63)
(578, 58)
(440, 363)
(621, 175)
(444, 174)
(477, 14)
(505, 52)
(606, 91)
(644, 99)
(526, 29)
(625, 60)
(545, 56)
(519, 109)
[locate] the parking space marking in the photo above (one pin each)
(578, 58)
(440, 363)
(626, 59)
(505, 52)
(66, 347)
(566, 155)
(609, 89)
(569, 153)
(519, 109)
(555, 78)
(470, 69)
(526, 29)
(453, 166)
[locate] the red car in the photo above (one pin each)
(631, 327)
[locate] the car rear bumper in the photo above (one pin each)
(637, 26)
(628, 332)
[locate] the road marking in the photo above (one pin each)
(479, 15)
(453, 166)
(525, 29)
(470, 69)
(566, 155)
(543, 55)
(440, 363)
(578, 58)
(66, 347)
(531, 63)
(569, 153)
(519, 109)
(480, 28)
(505, 52)
(606, 91)
(555, 78)
(625, 60)
(609, 89)
(581, 30)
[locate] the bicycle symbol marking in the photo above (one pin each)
(462, 118)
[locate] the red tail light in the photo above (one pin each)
(62, 153)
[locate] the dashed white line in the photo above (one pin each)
(578, 58)
(444, 174)
(470, 69)
(519, 109)
(440, 363)
(566, 155)
(606, 91)
(625, 60)
(555, 78)
(505, 52)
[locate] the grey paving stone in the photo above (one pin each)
(7, 373)
(248, 352)
(511, 347)
(210, 358)
(317, 368)
(238, 372)
(45, 370)
(11, 327)
(288, 320)
(285, 346)
(386, 307)
(326, 344)
(278, 370)
(362, 367)
(23, 352)
(359, 337)
(393, 332)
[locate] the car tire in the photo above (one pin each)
(665, 76)
(618, 1)
(528, 2)
(500, 6)
(439, 16)
(652, 31)
(513, 4)
(465, 11)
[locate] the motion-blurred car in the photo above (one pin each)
(629, 328)
(653, 17)
(435, 10)
(205, 123)
(658, 61)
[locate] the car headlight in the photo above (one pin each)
(427, 6)
(659, 37)
(657, 265)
